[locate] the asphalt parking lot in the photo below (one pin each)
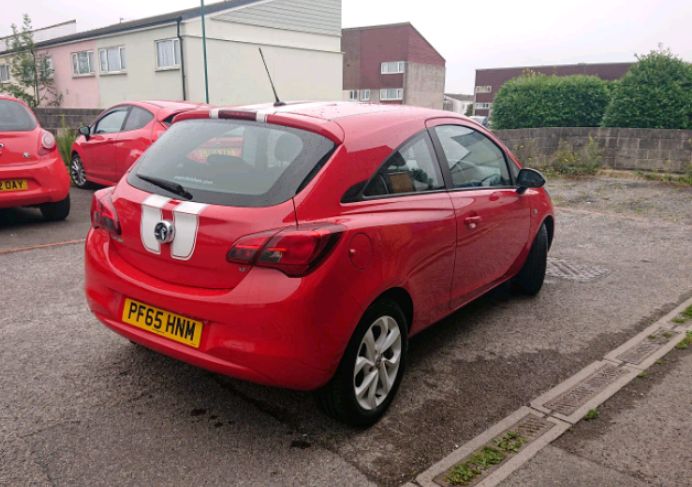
(82, 406)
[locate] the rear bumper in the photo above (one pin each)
(48, 182)
(270, 329)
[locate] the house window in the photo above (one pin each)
(4, 73)
(168, 53)
(82, 63)
(395, 67)
(112, 60)
(50, 70)
(353, 95)
(484, 89)
(392, 94)
(483, 106)
(364, 95)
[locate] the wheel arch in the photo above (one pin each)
(549, 223)
(401, 297)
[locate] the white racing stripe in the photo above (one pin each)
(151, 215)
(186, 216)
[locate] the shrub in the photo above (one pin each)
(655, 93)
(65, 139)
(536, 100)
(568, 162)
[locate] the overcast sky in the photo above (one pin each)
(470, 35)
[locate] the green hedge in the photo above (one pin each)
(655, 93)
(536, 100)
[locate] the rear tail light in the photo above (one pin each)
(295, 252)
(47, 140)
(103, 214)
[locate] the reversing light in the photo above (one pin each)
(47, 140)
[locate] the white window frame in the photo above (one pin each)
(121, 56)
(398, 94)
(90, 61)
(51, 66)
(353, 95)
(364, 95)
(4, 68)
(393, 67)
(484, 89)
(176, 54)
(483, 106)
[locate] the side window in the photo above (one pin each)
(411, 169)
(137, 119)
(474, 160)
(111, 122)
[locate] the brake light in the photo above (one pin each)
(103, 214)
(295, 252)
(47, 140)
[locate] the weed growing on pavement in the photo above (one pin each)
(685, 342)
(483, 459)
(643, 375)
(684, 316)
(591, 415)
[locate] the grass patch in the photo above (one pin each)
(591, 415)
(485, 458)
(681, 179)
(685, 342)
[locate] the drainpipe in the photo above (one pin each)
(182, 56)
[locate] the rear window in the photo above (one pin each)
(232, 162)
(14, 117)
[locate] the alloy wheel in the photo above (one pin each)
(377, 362)
(77, 171)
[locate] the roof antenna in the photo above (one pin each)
(278, 102)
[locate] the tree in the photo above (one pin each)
(537, 100)
(655, 93)
(31, 70)
(469, 110)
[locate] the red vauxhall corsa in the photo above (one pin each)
(302, 246)
(104, 151)
(31, 170)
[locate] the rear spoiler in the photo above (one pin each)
(327, 128)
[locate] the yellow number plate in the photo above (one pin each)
(14, 185)
(170, 325)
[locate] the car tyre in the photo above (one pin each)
(78, 174)
(532, 274)
(56, 211)
(378, 346)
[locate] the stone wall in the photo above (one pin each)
(52, 118)
(659, 150)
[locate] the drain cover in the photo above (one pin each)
(568, 402)
(646, 347)
(574, 271)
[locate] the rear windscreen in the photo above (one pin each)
(233, 162)
(14, 117)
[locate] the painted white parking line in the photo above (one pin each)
(564, 405)
(41, 246)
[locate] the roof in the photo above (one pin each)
(548, 66)
(167, 18)
(393, 26)
(459, 96)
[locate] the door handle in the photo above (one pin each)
(472, 221)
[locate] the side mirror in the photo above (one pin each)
(85, 131)
(529, 178)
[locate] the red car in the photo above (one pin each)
(311, 241)
(31, 170)
(105, 151)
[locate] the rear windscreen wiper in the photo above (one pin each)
(174, 188)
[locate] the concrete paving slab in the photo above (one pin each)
(555, 467)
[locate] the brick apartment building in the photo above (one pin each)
(392, 64)
(489, 81)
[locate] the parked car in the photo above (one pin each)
(302, 246)
(104, 151)
(31, 170)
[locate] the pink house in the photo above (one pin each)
(77, 90)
